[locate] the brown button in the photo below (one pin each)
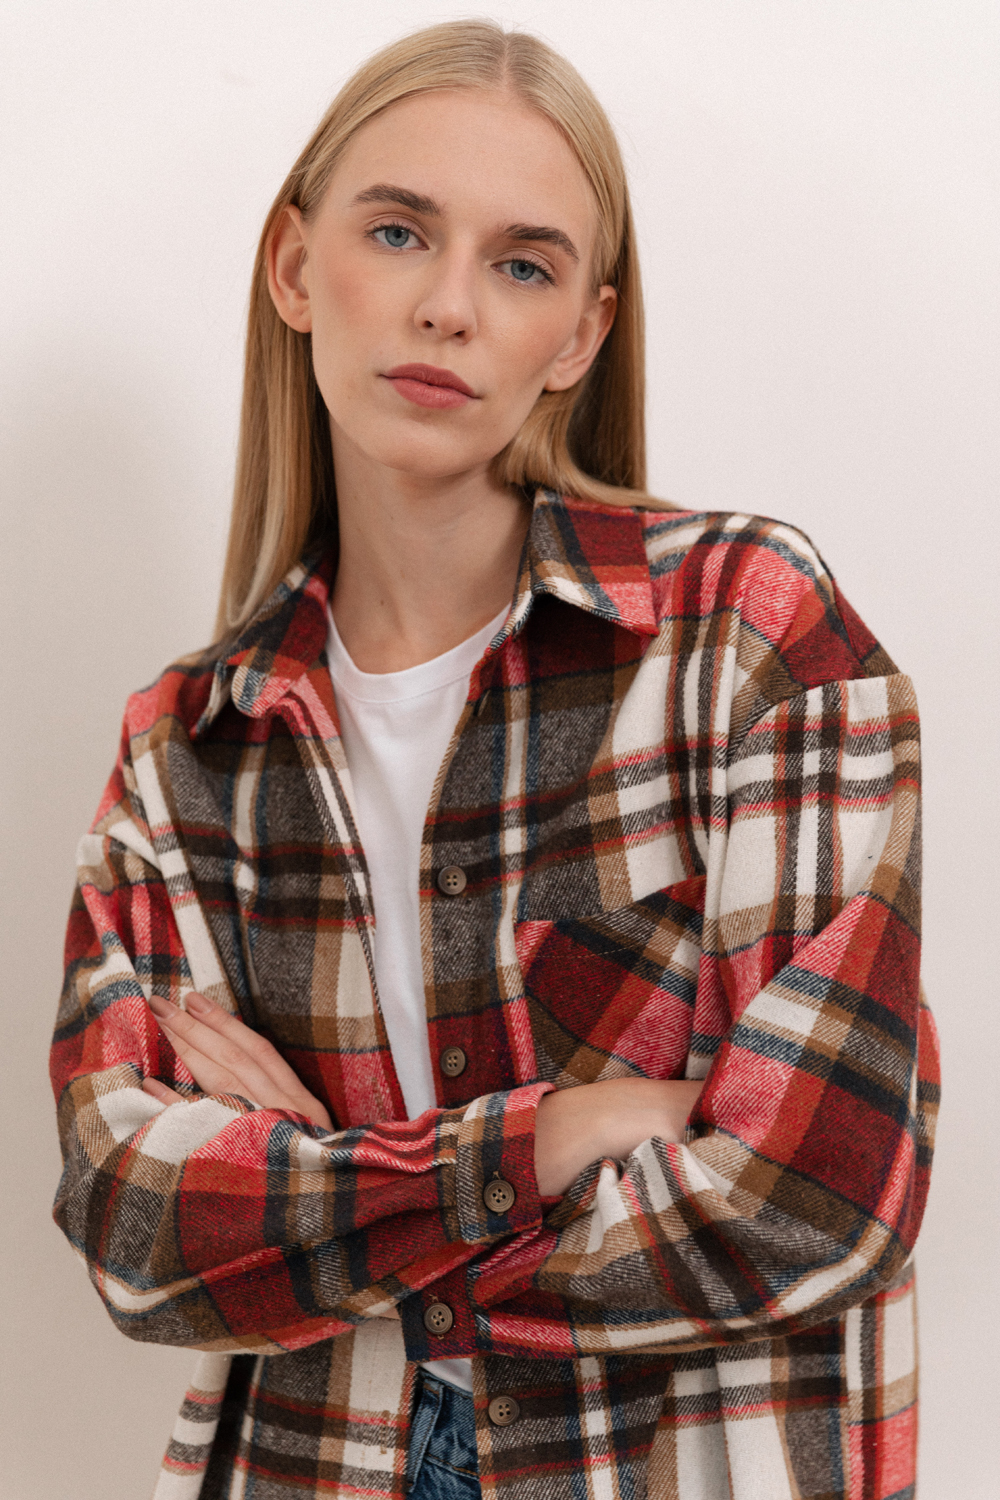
(498, 1196)
(452, 880)
(453, 1061)
(503, 1410)
(438, 1319)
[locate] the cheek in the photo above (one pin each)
(528, 344)
(348, 311)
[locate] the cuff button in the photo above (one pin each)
(499, 1196)
(438, 1319)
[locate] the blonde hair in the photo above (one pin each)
(588, 441)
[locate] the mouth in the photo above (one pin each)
(426, 385)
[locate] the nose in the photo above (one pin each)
(447, 304)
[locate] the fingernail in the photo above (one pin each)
(159, 1006)
(197, 1004)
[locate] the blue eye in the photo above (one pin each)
(523, 270)
(396, 235)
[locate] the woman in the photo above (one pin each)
(492, 1027)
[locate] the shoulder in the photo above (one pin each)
(280, 642)
(733, 554)
(767, 590)
(168, 710)
(732, 547)
(177, 699)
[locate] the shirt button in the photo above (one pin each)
(498, 1196)
(438, 1319)
(451, 880)
(503, 1410)
(453, 1062)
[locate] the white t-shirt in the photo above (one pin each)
(396, 727)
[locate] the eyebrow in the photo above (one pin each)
(384, 192)
(539, 234)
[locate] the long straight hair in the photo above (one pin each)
(588, 441)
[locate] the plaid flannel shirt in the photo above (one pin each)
(684, 794)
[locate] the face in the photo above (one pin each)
(446, 278)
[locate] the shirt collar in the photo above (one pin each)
(591, 556)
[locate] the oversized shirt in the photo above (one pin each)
(682, 798)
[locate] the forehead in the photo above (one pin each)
(476, 152)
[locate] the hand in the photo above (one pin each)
(226, 1057)
(577, 1126)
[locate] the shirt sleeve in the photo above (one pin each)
(800, 1187)
(218, 1224)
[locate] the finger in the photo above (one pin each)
(257, 1047)
(220, 1054)
(224, 1037)
(289, 1090)
(213, 1076)
(220, 1059)
(160, 1091)
(304, 1103)
(209, 1069)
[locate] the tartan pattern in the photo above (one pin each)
(684, 791)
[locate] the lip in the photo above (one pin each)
(427, 385)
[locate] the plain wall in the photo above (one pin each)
(816, 193)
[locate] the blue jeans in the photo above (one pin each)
(441, 1462)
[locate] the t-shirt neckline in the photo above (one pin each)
(412, 682)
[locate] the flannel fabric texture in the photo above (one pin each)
(684, 792)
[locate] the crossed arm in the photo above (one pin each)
(574, 1126)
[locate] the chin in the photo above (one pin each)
(431, 470)
(428, 455)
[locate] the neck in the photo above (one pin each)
(424, 563)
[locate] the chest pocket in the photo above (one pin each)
(612, 995)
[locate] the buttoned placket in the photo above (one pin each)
(325, 764)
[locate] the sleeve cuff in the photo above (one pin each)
(496, 1191)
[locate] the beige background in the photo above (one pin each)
(816, 189)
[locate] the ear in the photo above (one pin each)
(286, 257)
(581, 351)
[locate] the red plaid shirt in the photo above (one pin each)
(683, 793)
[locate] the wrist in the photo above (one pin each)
(577, 1126)
(566, 1138)
(572, 1128)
